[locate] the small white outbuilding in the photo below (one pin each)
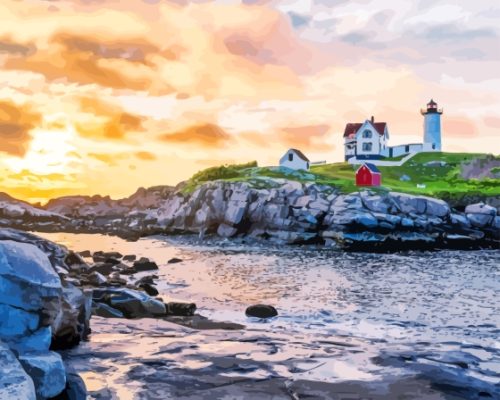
(294, 159)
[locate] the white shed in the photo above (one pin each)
(294, 159)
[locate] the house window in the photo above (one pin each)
(367, 134)
(290, 156)
(367, 147)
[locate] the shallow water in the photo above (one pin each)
(343, 316)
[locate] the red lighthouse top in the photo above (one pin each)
(432, 108)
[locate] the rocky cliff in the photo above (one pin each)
(285, 211)
(39, 312)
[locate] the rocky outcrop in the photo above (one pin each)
(283, 211)
(292, 212)
(39, 312)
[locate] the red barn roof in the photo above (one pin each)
(352, 128)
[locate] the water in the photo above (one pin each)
(356, 315)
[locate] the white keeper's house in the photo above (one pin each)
(369, 140)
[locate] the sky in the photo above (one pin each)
(103, 97)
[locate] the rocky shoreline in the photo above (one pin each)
(279, 211)
(47, 297)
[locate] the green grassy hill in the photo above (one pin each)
(443, 181)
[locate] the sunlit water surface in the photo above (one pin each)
(443, 303)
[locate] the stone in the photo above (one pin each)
(457, 219)
(144, 264)
(437, 208)
(27, 279)
(129, 257)
(175, 260)
(149, 289)
(114, 279)
(105, 311)
(74, 259)
(15, 383)
(234, 212)
(131, 303)
(480, 220)
(102, 268)
(47, 371)
(261, 311)
(181, 309)
(85, 253)
(96, 279)
(481, 208)
(112, 254)
(226, 231)
(405, 178)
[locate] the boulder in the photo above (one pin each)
(47, 371)
(144, 264)
(15, 383)
(102, 268)
(226, 231)
(74, 259)
(115, 279)
(261, 311)
(129, 257)
(181, 309)
(175, 260)
(480, 214)
(112, 254)
(131, 303)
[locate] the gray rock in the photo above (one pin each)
(129, 257)
(15, 383)
(435, 164)
(226, 231)
(405, 178)
(481, 208)
(457, 219)
(47, 371)
(131, 303)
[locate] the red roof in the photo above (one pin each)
(352, 128)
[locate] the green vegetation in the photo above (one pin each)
(442, 181)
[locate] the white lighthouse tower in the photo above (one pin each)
(432, 127)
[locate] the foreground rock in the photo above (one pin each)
(38, 312)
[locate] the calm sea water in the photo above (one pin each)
(440, 307)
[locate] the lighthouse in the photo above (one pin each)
(432, 127)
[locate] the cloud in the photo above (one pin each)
(110, 121)
(11, 47)
(208, 135)
(16, 122)
(145, 155)
(107, 61)
(303, 136)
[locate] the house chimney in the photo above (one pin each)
(373, 119)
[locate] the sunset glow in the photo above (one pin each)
(105, 97)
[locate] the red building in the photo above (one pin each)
(368, 175)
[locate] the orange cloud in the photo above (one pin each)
(16, 122)
(112, 122)
(209, 135)
(145, 155)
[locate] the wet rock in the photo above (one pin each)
(96, 279)
(181, 309)
(75, 387)
(261, 311)
(131, 303)
(112, 254)
(106, 311)
(85, 253)
(112, 261)
(129, 257)
(147, 279)
(144, 264)
(47, 371)
(15, 383)
(175, 260)
(102, 268)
